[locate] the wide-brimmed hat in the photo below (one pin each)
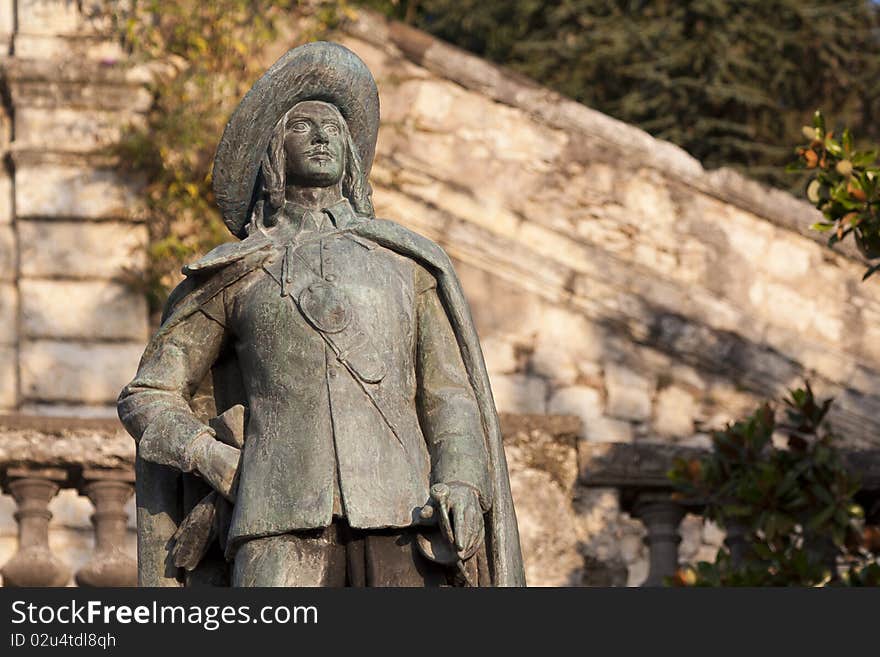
(316, 71)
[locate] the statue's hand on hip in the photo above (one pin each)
(217, 463)
(466, 516)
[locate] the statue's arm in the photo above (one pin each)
(448, 410)
(155, 408)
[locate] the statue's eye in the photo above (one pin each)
(331, 129)
(299, 126)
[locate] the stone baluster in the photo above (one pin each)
(109, 490)
(661, 517)
(34, 564)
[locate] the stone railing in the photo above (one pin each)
(40, 456)
(638, 472)
(583, 507)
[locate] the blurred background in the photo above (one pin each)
(609, 177)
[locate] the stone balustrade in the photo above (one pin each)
(589, 513)
(41, 456)
(638, 472)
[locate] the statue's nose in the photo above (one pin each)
(320, 136)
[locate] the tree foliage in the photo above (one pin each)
(793, 499)
(731, 81)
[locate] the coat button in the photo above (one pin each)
(333, 371)
(330, 278)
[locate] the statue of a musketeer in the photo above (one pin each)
(314, 409)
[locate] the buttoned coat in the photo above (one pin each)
(357, 396)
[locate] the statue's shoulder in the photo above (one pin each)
(226, 254)
(396, 237)
(217, 269)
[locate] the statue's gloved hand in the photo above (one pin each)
(217, 463)
(464, 511)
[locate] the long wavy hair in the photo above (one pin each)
(272, 179)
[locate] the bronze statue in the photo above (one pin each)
(314, 409)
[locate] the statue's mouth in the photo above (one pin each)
(320, 154)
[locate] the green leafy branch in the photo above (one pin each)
(844, 186)
(792, 497)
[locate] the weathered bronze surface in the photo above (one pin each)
(314, 409)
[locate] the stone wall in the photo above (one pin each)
(71, 332)
(610, 276)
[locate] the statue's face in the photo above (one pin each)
(314, 145)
